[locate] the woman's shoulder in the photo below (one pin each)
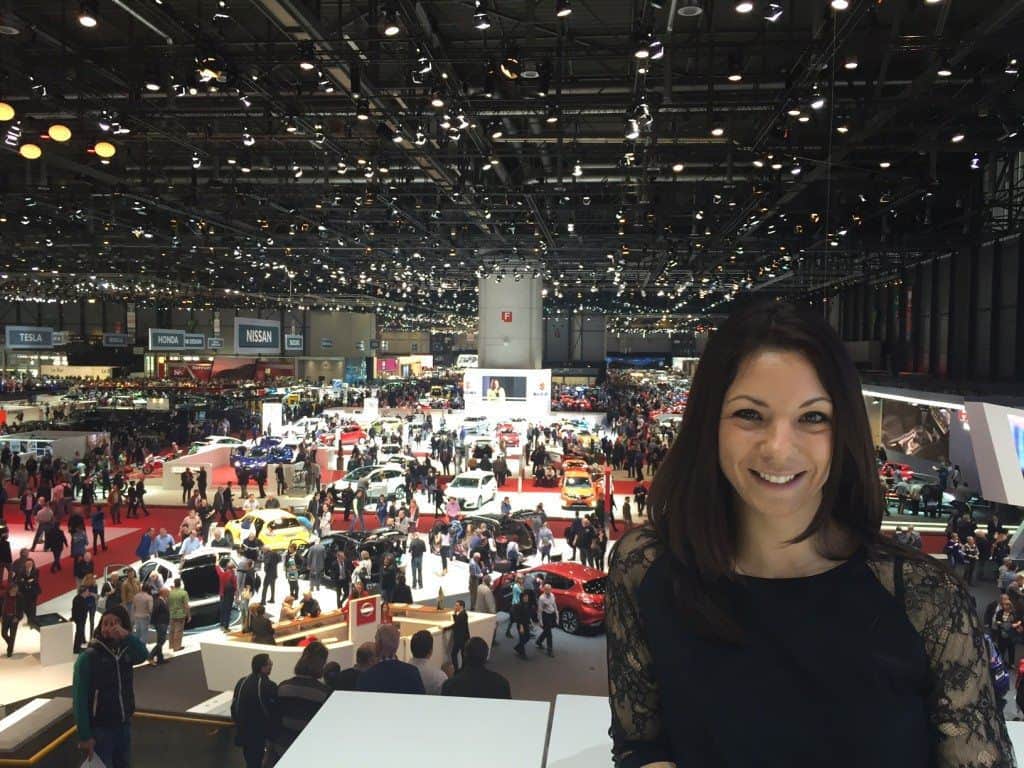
(634, 553)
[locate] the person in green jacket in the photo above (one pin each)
(103, 691)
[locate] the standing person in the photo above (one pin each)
(460, 633)
(389, 675)
(548, 617)
(79, 615)
(485, 604)
(11, 612)
(476, 576)
(145, 544)
(517, 594)
(640, 496)
(299, 698)
(187, 484)
(341, 578)
(315, 562)
(161, 620)
(767, 516)
(99, 532)
(955, 555)
(282, 486)
(201, 481)
(180, 613)
(388, 578)
(545, 540)
(255, 711)
(421, 645)
(475, 680)
(140, 491)
(291, 570)
(103, 690)
(627, 513)
(271, 560)
(228, 585)
(114, 500)
(417, 548)
(141, 611)
(522, 614)
(971, 556)
(6, 556)
(446, 548)
(55, 542)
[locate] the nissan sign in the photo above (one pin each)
(29, 337)
(257, 336)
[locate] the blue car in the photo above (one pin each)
(267, 451)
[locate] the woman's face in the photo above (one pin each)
(1004, 602)
(775, 435)
(108, 627)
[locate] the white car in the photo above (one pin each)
(214, 441)
(376, 481)
(472, 489)
(476, 425)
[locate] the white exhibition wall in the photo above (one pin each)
(999, 464)
(527, 392)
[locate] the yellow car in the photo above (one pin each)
(275, 528)
(579, 489)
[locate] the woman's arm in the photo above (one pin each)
(962, 705)
(638, 736)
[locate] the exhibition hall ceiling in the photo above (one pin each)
(649, 159)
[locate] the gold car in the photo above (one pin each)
(275, 528)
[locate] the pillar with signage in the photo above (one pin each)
(363, 619)
(511, 323)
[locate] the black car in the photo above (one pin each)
(522, 526)
(378, 543)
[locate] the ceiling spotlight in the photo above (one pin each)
(945, 68)
(511, 66)
(296, 171)
(307, 57)
(480, 19)
(817, 100)
(796, 170)
(975, 162)
(59, 132)
(804, 119)
(87, 15)
(391, 25)
(197, 161)
(632, 129)
(958, 136)
(6, 112)
(850, 62)
(497, 131)
(643, 48)
(840, 5)
(290, 126)
(744, 6)
(577, 169)
(657, 49)
(717, 129)
(735, 68)
(690, 8)
(420, 139)
(678, 168)
(552, 115)
(30, 151)
(152, 81)
(437, 100)
(1011, 68)
(247, 139)
(772, 12)
(104, 149)
(885, 165)
(563, 8)
(842, 127)
(362, 112)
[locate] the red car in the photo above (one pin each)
(508, 432)
(578, 590)
(352, 434)
(896, 470)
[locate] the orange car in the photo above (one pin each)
(580, 490)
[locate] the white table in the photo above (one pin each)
(579, 733)
(1016, 731)
(432, 732)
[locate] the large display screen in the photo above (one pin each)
(1017, 433)
(916, 430)
(503, 387)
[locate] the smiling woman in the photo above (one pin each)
(765, 574)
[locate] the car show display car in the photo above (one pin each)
(387, 480)
(579, 593)
(198, 574)
(581, 490)
(472, 489)
(522, 526)
(377, 543)
(275, 528)
(255, 455)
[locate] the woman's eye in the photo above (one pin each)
(815, 417)
(747, 414)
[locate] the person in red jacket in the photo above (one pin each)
(226, 577)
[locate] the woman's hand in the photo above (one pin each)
(88, 746)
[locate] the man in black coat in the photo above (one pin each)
(475, 680)
(271, 560)
(254, 710)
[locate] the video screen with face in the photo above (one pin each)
(1017, 433)
(503, 387)
(916, 430)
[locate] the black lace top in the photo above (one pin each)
(835, 671)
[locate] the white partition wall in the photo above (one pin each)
(579, 736)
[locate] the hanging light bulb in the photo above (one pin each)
(577, 169)
(481, 20)
(391, 26)
(840, 5)
(307, 57)
(6, 112)
(30, 151)
(632, 129)
(362, 112)
(247, 139)
(197, 161)
(945, 69)
(105, 149)
(975, 162)
(744, 6)
(563, 8)
(87, 15)
(552, 115)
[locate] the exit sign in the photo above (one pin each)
(506, 317)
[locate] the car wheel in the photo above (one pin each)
(569, 622)
(147, 469)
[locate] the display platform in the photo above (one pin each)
(513, 731)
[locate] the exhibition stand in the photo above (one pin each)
(227, 658)
(426, 730)
(574, 741)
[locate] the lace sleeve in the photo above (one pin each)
(637, 731)
(962, 704)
